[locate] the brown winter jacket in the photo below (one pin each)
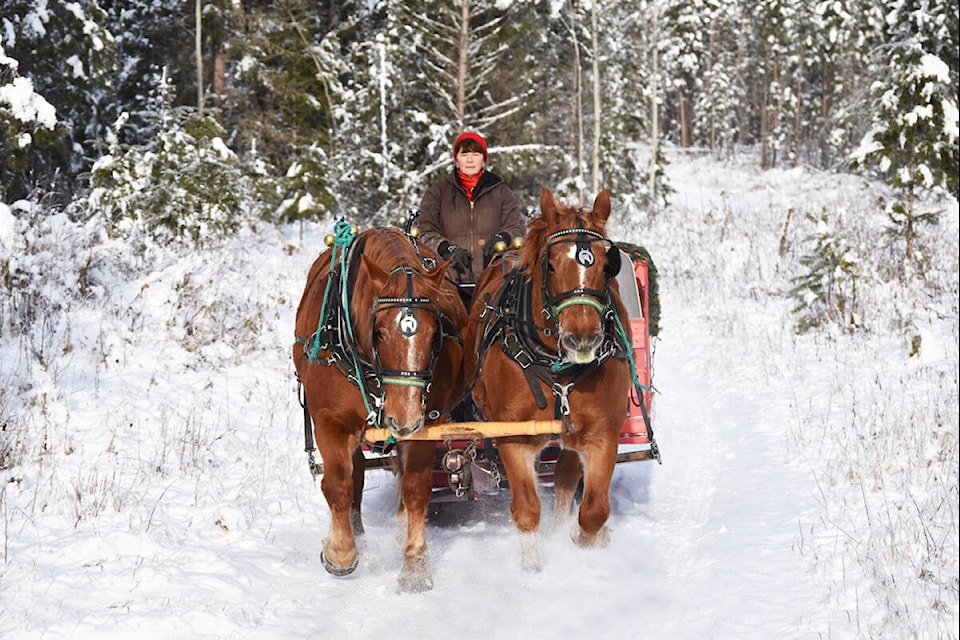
(447, 214)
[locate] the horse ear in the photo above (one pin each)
(601, 207)
(548, 206)
(438, 273)
(377, 275)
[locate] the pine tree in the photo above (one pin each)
(450, 54)
(67, 55)
(717, 103)
(827, 291)
(685, 24)
(912, 107)
(29, 131)
(185, 183)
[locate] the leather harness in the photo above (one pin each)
(509, 318)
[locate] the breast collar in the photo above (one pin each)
(510, 319)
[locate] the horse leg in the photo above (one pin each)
(599, 458)
(359, 476)
(339, 555)
(566, 479)
(416, 488)
(519, 455)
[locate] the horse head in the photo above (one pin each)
(567, 250)
(405, 339)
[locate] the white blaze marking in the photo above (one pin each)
(572, 254)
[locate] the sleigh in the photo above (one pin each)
(467, 465)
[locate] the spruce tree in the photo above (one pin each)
(912, 109)
(65, 52)
(30, 131)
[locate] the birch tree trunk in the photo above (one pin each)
(199, 54)
(595, 170)
(654, 125)
(463, 62)
(578, 98)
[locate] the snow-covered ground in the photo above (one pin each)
(154, 483)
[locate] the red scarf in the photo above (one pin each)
(469, 182)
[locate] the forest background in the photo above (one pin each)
(180, 117)
(147, 144)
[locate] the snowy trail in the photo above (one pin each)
(164, 493)
(690, 527)
(702, 546)
(727, 501)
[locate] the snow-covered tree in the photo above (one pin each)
(152, 42)
(685, 25)
(911, 106)
(828, 290)
(184, 183)
(718, 102)
(66, 52)
(28, 125)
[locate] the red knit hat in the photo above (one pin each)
(470, 135)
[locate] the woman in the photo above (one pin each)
(465, 214)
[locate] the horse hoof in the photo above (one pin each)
(598, 540)
(531, 565)
(337, 570)
(415, 579)
(529, 553)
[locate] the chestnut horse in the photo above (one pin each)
(550, 338)
(378, 344)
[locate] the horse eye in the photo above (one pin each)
(551, 268)
(380, 335)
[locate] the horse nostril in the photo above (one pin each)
(580, 349)
(406, 430)
(571, 342)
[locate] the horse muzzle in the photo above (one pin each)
(580, 349)
(401, 431)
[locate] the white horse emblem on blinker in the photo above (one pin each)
(585, 256)
(408, 324)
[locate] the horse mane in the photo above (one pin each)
(391, 249)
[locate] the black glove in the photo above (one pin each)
(489, 249)
(460, 258)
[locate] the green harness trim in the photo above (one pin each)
(575, 300)
(400, 381)
(633, 364)
(344, 235)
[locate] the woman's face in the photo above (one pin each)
(470, 163)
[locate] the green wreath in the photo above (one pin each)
(635, 252)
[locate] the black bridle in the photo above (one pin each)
(584, 256)
(408, 326)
